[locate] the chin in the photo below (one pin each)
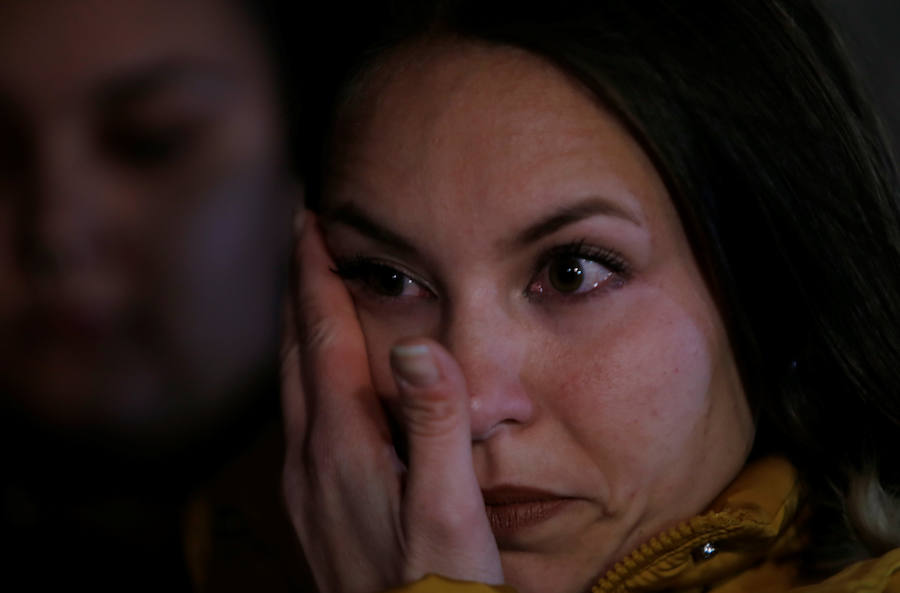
(530, 572)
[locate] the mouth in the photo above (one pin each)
(511, 510)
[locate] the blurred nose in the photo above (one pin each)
(491, 349)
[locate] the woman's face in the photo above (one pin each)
(142, 211)
(482, 198)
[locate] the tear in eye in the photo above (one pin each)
(566, 274)
(569, 275)
(388, 281)
(381, 280)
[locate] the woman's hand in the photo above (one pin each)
(365, 522)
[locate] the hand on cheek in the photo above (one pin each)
(444, 513)
(362, 528)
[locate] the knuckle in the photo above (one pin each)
(320, 333)
(431, 415)
(330, 459)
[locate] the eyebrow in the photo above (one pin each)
(351, 215)
(570, 214)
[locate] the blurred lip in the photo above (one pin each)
(513, 509)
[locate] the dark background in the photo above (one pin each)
(871, 32)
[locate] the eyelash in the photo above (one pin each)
(358, 267)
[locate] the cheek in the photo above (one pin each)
(630, 383)
(221, 270)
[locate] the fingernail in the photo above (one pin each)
(415, 365)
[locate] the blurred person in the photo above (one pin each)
(145, 203)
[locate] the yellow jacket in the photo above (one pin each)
(745, 542)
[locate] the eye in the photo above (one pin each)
(571, 275)
(14, 147)
(381, 279)
(387, 281)
(149, 147)
(575, 270)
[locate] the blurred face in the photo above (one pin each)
(482, 198)
(141, 209)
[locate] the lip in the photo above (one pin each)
(512, 509)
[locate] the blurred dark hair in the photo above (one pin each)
(311, 44)
(789, 195)
(284, 28)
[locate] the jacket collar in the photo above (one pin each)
(749, 524)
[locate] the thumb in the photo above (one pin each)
(443, 516)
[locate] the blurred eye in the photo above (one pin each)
(575, 270)
(381, 279)
(149, 146)
(14, 146)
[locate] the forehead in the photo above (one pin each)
(60, 48)
(466, 127)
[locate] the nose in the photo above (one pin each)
(491, 350)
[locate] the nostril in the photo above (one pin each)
(492, 412)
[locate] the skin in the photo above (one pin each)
(452, 167)
(142, 200)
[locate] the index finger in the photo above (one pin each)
(293, 404)
(331, 342)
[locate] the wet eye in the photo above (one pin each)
(567, 274)
(145, 148)
(571, 275)
(388, 282)
(15, 148)
(381, 280)
(150, 145)
(574, 270)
